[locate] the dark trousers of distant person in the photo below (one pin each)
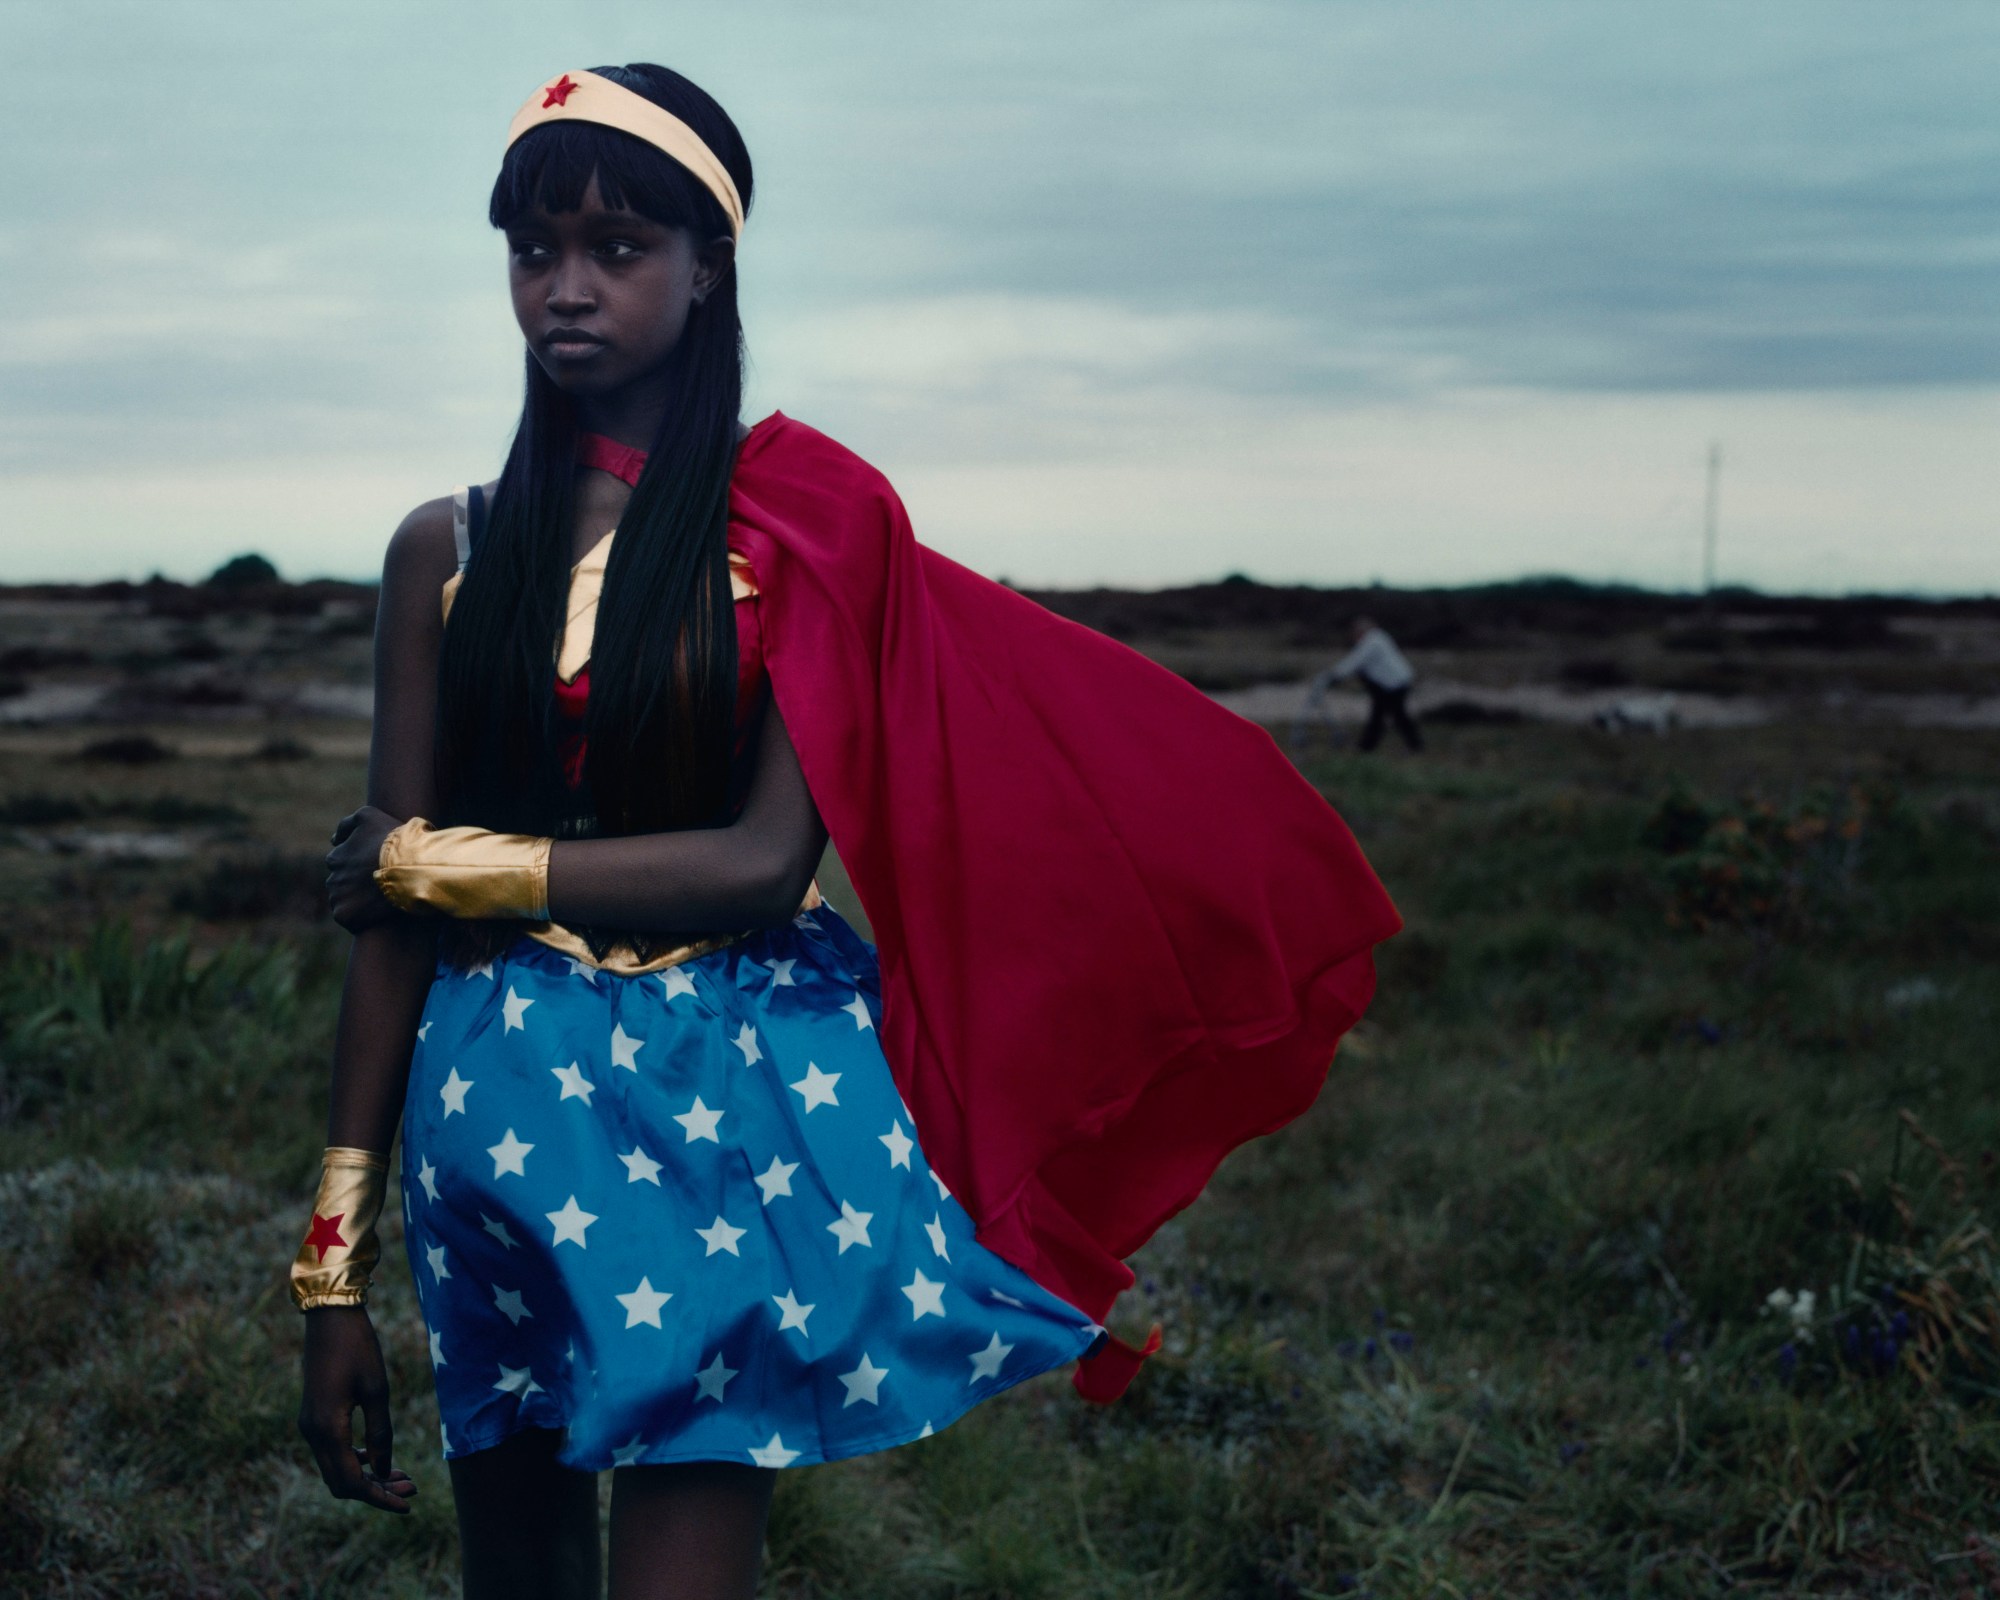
(1384, 707)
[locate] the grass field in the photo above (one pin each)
(1677, 1024)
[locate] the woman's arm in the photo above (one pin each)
(388, 977)
(751, 874)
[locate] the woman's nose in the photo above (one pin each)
(570, 294)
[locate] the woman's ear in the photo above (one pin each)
(711, 262)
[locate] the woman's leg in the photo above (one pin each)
(694, 1531)
(527, 1525)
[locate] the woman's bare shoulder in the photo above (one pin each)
(424, 543)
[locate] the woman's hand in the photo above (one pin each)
(343, 1369)
(351, 891)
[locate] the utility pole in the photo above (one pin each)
(1710, 518)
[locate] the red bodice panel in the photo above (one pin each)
(573, 697)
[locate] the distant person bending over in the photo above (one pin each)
(1385, 672)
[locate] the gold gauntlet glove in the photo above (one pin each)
(465, 872)
(340, 1249)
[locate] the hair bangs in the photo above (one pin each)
(550, 168)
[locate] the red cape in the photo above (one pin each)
(1119, 933)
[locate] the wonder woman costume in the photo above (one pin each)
(783, 1201)
(677, 1208)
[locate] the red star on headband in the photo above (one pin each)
(560, 91)
(326, 1233)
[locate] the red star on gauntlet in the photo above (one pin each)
(340, 1248)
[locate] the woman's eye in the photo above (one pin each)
(618, 247)
(527, 250)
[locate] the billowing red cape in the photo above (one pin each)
(1119, 933)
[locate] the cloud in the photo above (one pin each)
(1145, 265)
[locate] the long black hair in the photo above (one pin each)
(662, 700)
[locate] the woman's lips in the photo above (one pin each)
(571, 344)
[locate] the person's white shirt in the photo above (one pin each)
(1377, 659)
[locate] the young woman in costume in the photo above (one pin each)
(697, 1186)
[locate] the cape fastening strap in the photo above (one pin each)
(585, 97)
(608, 455)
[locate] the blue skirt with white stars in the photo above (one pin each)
(684, 1217)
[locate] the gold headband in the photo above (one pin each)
(585, 97)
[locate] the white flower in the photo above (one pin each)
(1780, 1300)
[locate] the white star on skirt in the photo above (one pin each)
(773, 1454)
(776, 1179)
(510, 1304)
(851, 1227)
(926, 1297)
(700, 1122)
(452, 1093)
(793, 1314)
(509, 1155)
(575, 1086)
(900, 1145)
(713, 1379)
(816, 1087)
(570, 1223)
(643, 1304)
(863, 1382)
(516, 1008)
(499, 1231)
(986, 1363)
(719, 1235)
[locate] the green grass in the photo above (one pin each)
(1491, 1320)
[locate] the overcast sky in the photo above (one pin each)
(1129, 293)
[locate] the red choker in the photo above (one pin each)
(608, 455)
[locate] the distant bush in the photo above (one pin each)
(175, 811)
(282, 747)
(1756, 864)
(38, 810)
(1594, 672)
(210, 692)
(40, 658)
(240, 572)
(1678, 824)
(127, 750)
(1470, 713)
(199, 648)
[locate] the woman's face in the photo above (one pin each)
(602, 296)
